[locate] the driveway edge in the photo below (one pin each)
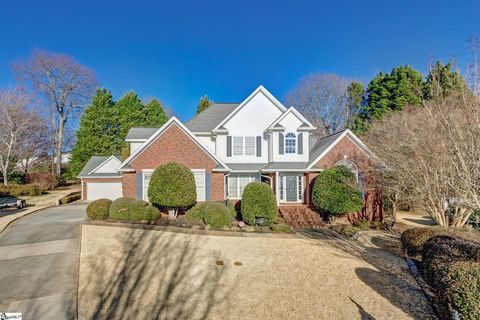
(4, 227)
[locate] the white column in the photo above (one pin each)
(277, 185)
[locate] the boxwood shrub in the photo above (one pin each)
(195, 213)
(136, 210)
(150, 213)
(172, 186)
(258, 201)
(216, 214)
(119, 208)
(99, 209)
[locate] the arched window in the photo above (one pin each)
(350, 165)
(290, 143)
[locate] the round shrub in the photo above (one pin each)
(136, 210)
(258, 201)
(216, 214)
(98, 209)
(335, 192)
(119, 208)
(150, 213)
(195, 213)
(172, 186)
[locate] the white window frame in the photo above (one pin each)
(244, 146)
(282, 186)
(252, 178)
(294, 138)
(146, 172)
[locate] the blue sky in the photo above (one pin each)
(180, 50)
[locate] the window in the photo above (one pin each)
(236, 183)
(290, 143)
(146, 182)
(244, 146)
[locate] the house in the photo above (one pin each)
(228, 146)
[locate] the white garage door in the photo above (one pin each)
(109, 190)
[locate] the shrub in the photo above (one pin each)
(45, 180)
(281, 228)
(119, 208)
(70, 198)
(17, 177)
(346, 229)
(258, 201)
(172, 186)
(195, 213)
(363, 224)
(452, 267)
(231, 208)
(414, 239)
(136, 210)
(335, 192)
(18, 190)
(216, 214)
(150, 213)
(98, 209)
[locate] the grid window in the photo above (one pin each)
(146, 183)
(290, 143)
(238, 182)
(244, 146)
(238, 146)
(249, 146)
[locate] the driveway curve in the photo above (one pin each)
(39, 263)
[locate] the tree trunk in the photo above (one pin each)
(5, 176)
(58, 164)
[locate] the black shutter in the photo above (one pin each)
(280, 143)
(229, 146)
(300, 143)
(259, 146)
(139, 186)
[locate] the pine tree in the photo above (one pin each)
(156, 115)
(204, 103)
(442, 81)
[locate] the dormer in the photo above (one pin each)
(290, 137)
(137, 136)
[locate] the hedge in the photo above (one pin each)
(335, 192)
(18, 190)
(216, 214)
(414, 239)
(452, 267)
(258, 201)
(99, 209)
(172, 186)
(119, 208)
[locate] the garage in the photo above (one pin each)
(99, 190)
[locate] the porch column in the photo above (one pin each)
(277, 194)
(306, 190)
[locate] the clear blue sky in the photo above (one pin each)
(180, 50)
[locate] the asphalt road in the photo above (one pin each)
(39, 263)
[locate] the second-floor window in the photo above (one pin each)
(244, 146)
(290, 143)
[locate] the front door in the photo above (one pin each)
(291, 188)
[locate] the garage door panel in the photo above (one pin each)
(108, 190)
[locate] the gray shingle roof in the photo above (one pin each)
(246, 166)
(211, 117)
(140, 133)
(317, 148)
(94, 162)
(286, 165)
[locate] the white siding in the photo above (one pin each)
(208, 141)
(291, 123)
(134, 146)
(109, 167)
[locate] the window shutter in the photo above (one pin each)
(300, 143)
(139, 186)
(229, 146)
(259, 146)
(281, 141)
(208, 193)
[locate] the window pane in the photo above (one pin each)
(232, 187)
(281, 187)
(249, 146)
(237, 146)
(200, 185)
(290, 143)
(146, 182)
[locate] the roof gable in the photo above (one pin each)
(97, 162)
(172, 121)
(110, 165)
(306, 125)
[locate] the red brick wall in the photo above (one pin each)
(86, 180)
(174, 145)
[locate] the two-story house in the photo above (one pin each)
(227, 146)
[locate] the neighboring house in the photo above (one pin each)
(228, 146)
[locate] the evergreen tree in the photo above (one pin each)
(355, 97)
(442, 81)
(156, 115)
(204, 103)
(98, 132)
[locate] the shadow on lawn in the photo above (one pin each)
(157, 276)
(388, 276)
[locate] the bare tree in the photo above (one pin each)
(473, 68)
(323, 99)
(16, 120)
(433, 156)
(34, 142)
(66, 85)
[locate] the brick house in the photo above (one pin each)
(227, 146)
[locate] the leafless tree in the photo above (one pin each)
(65, 84)
(473, 68)
(34, 142)
(433, 157)
(323, 99)
(15, 121)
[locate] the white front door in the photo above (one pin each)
(291, 188)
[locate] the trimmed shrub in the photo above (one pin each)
(70, 198)
(99, 209)
(150, 213)
(258, 201)
(45, 180)
(18, 190)
(414, 239)
(136, 210)
(119, 208)
(281, 228)
(172, 186)
(195, 213)
(216, 214)
(452, 267)
(230, 207)
(335, 192)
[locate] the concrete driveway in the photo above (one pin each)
(39, 263)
